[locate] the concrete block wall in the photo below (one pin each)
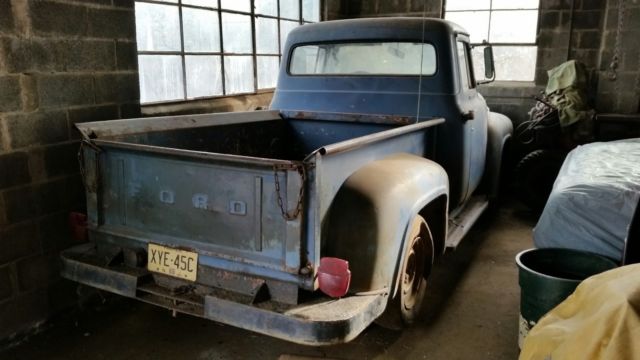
(623, 94)
(61, 62)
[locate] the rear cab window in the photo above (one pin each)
(366, 58)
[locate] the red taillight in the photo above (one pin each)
(334, 276)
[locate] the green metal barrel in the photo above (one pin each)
(548, 276)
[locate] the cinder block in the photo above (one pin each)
(19, 241)
(549, 19)
(587, 19)
(37, 128)
(553, 40)
(91, 113)
(10, 93)
(22, 312)
(6, 289)
(88, 55)
(20, 204)
(29, 93)
(14, 169)
(61, 159)
(112, 24)
(52, 18)
(51, 197)
(555, 4)
(6, 16)
(57, 91)
(590, 39)
(36, 272)
(592, 4)
(21, 55)
(121, 87)
(126, 55)
(130, 4)
(128, 111)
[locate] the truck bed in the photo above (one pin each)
(247, 191)
(273, 137)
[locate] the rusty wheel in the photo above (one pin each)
(404, 307)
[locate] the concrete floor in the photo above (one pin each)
(471, 313)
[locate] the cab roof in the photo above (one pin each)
(386, 28)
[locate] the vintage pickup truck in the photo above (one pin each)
(311, 220)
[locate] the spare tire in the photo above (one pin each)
(535, 175)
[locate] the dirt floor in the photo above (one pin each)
(471, 313)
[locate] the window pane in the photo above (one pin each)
(200, 30)
(160, 78)
(467, 4)
(516, 63)
(157, 27)
(311, 10)
(238, 5)
(515, 4)
(236, 33)
(478, 62)
(475, 22)
(267, 7)
(463, 67)
(285, 28)
(238, 73)
(392, 58)
(268, 71)
(266, 36)
(205, 3)
(514, 26)
(290, 9)
(203, 76)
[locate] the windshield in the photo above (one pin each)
(371, 58)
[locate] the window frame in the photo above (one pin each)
(491, 10)
(222, 54)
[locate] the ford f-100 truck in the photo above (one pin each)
(310, 220)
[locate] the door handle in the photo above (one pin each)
(469, 115)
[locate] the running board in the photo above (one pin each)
(460, 225)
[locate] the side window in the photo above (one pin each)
(464, 62)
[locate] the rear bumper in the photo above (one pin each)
(322, 322)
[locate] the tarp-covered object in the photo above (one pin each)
(600, 320)
(566, 89)
(593, 199)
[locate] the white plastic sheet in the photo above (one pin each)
(593, 199)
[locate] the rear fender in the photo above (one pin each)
(371, 213)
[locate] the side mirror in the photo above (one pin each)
(489, 67)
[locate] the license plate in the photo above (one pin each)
(173, 262)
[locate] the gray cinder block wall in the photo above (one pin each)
(61, 62)
(567, 29)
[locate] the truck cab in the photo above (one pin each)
(312, 219)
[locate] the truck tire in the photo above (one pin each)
(404, 307)
(535, 175)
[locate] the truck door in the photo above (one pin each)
(474, 114)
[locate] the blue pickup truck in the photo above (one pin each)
(310, 220)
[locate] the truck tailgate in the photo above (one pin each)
(225, 207)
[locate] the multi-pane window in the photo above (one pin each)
(509, 25)
(190, 49)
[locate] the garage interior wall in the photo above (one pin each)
(69, 61)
